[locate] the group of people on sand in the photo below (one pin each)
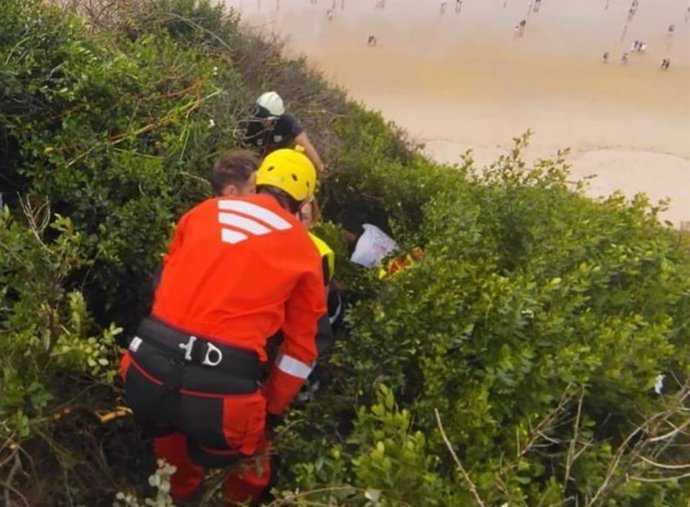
(639, 48)
(444, 5)
(519, 29)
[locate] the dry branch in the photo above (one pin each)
(572, 456)
(632, 455)
(465, 476)
(546, 422)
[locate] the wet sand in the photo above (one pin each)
(462, 81)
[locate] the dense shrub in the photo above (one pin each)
(537, 326)
(515, 365)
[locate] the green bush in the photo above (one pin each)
(530, 298)
(45, 329)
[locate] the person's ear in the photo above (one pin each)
(300, 210)
(230, 190)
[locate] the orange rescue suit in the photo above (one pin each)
(238, 270)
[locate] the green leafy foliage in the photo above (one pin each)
(45, 331)
(109, 130)
(393, 465)
(528, 292)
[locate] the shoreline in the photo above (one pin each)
(459, 81)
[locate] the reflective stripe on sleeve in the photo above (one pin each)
(292, 366)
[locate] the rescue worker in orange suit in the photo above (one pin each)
(238, 270)
(234, 174)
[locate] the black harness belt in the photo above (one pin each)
(194, 363)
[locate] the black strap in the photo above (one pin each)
(184, 348)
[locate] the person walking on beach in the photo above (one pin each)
(372, 41)
(605, 57)
(624, 58)
(537, 4)
(665, 64)
(520, 28)
(458, 6)
(443, 6)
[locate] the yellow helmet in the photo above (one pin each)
(291, 171)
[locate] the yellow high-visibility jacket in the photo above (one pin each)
(324, 335)
(327, 258)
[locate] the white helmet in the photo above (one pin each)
(269, 105)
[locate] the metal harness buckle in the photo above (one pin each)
(206, 352)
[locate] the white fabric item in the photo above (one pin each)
(659, 383)
(293, 366)
(373, 245)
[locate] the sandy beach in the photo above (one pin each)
(466, 80)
